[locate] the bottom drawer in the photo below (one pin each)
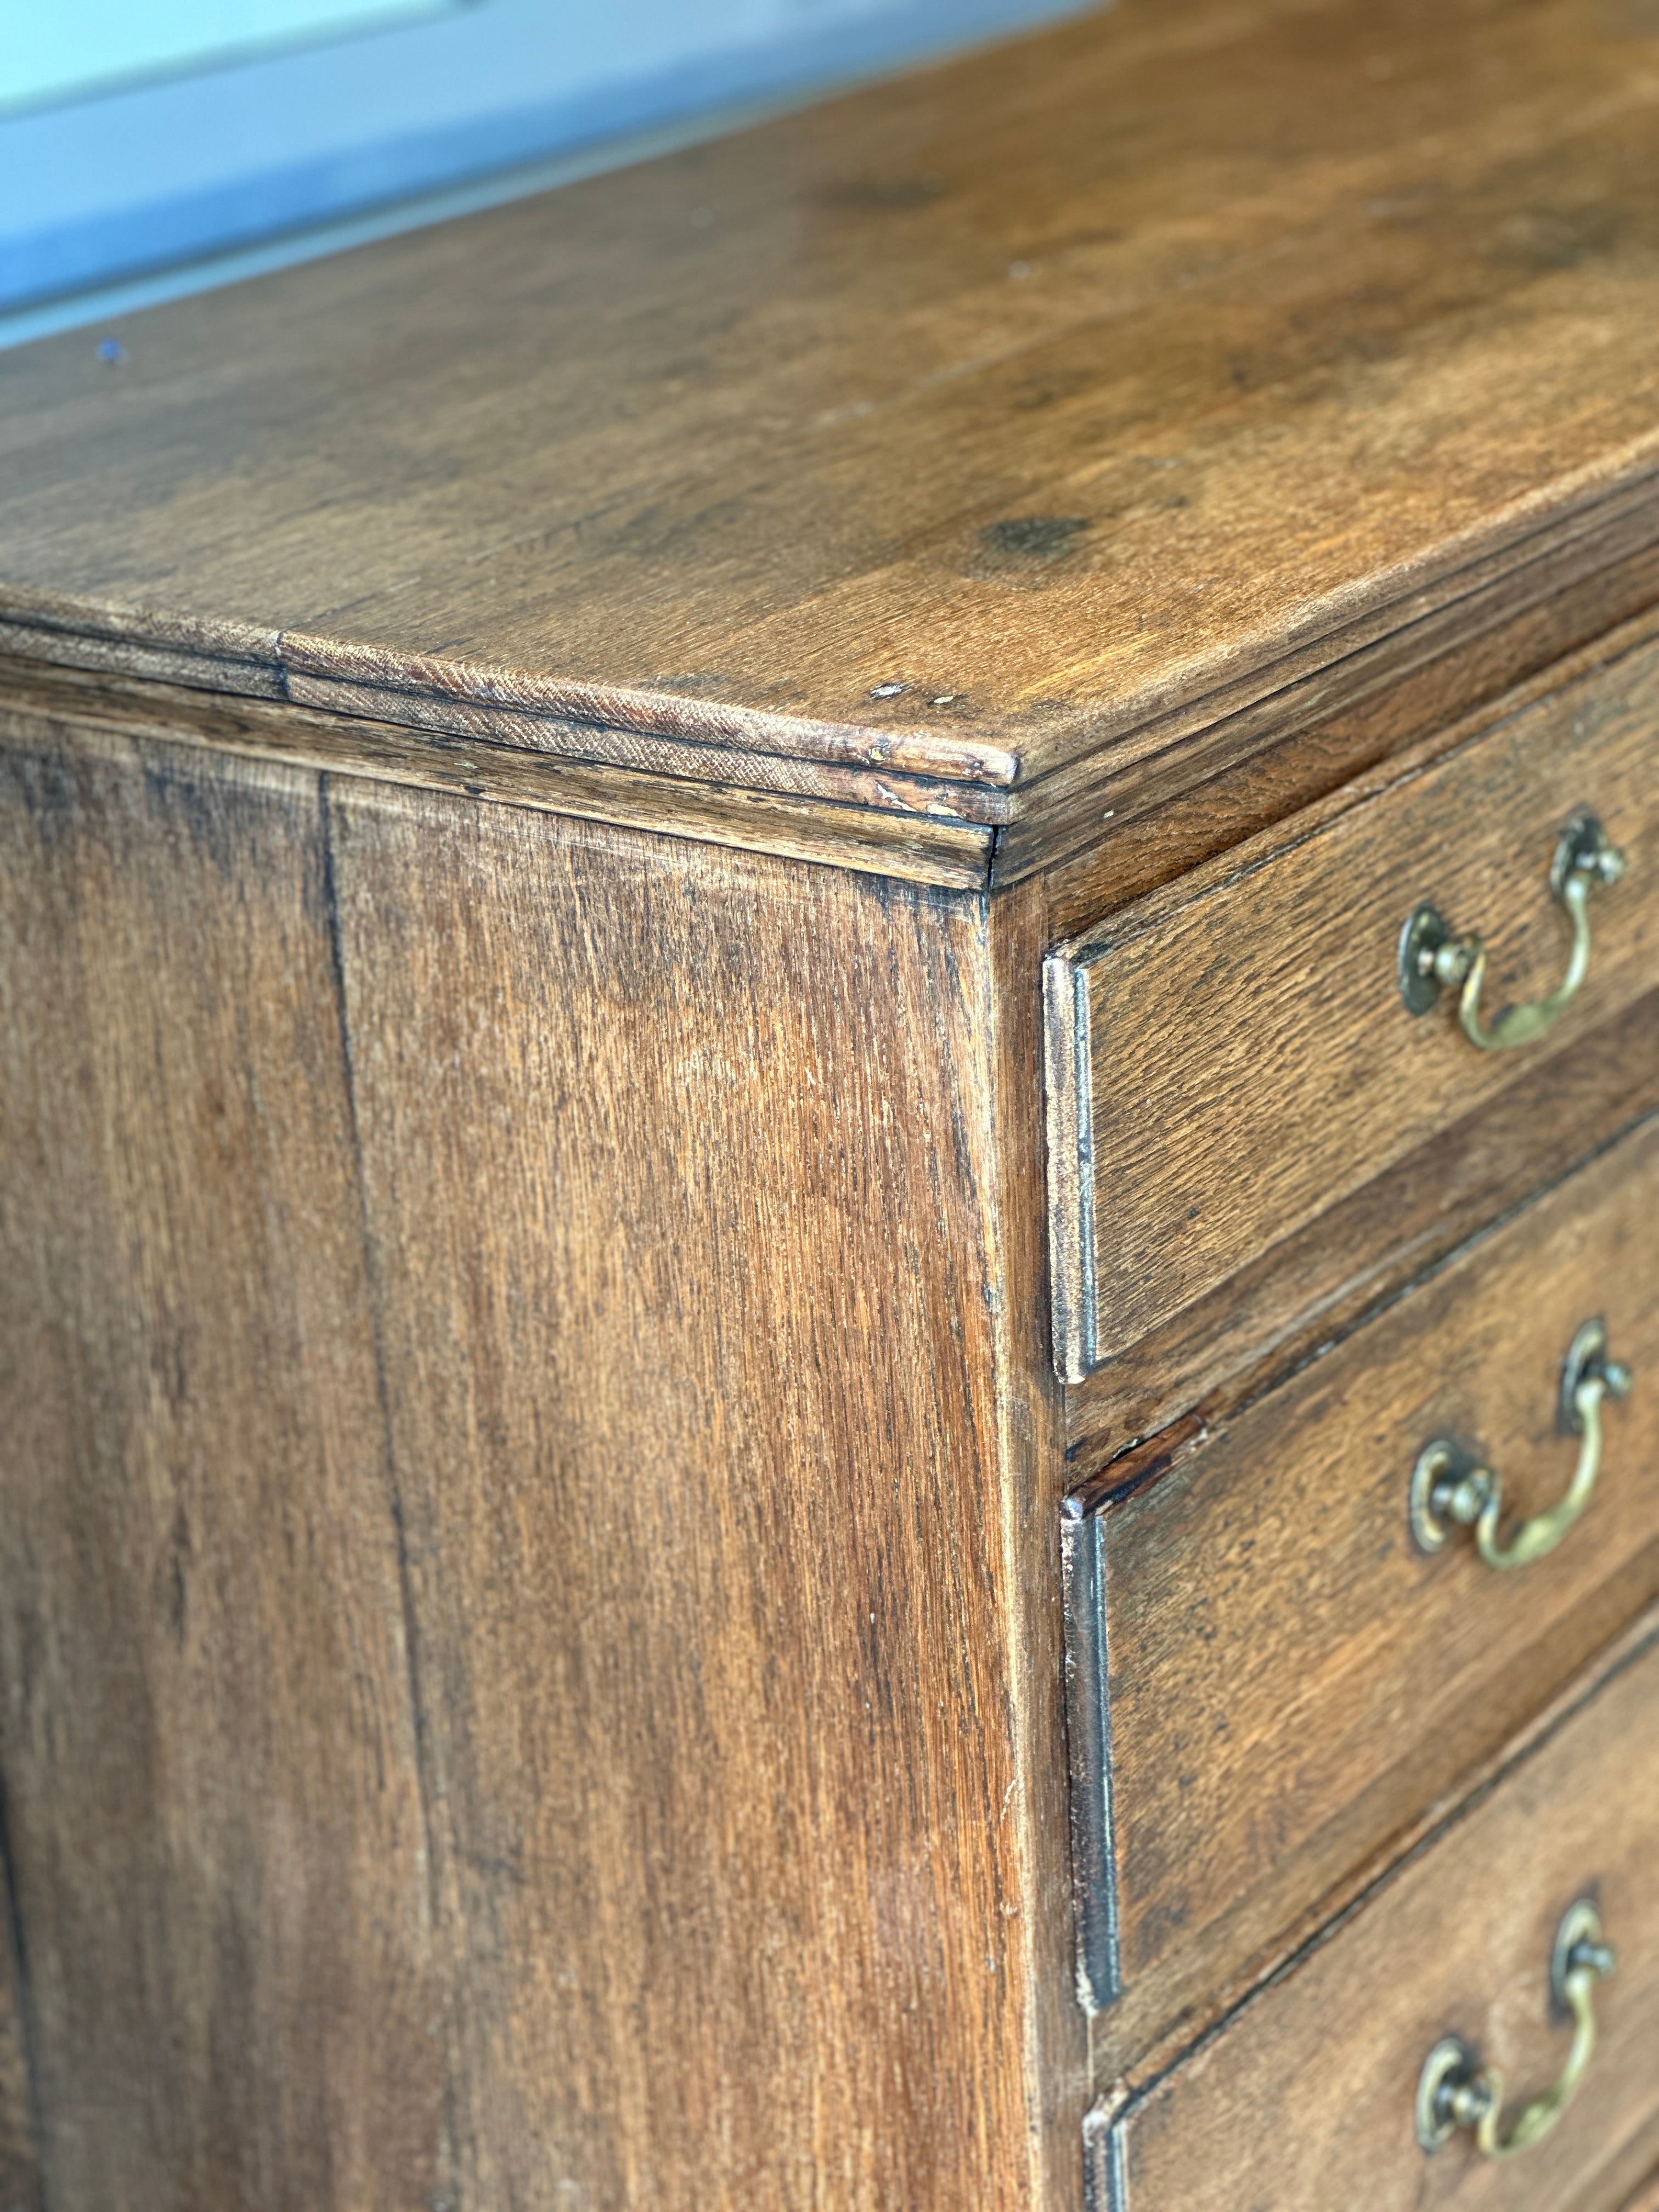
(1306, 2100)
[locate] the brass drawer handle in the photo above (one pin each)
(1455, 2090)
(1447, 1487)
(1431, 957)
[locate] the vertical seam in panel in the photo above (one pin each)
(372, 1280)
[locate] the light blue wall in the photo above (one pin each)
(72, 48)
(185, 162)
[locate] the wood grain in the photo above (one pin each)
(1141, 826)
(1634, 2158)
(1305, 2100)
(679, 1170)
(20, 2170)
(528, 1622)
(1052, 407)
(884, 824)
(532, 1479)
(1292, 1681)
(1244, 1062)
(214, 1833)
(1300, 1295)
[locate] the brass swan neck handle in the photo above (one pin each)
(1432, 959)
(1447, 1489)
(1455, 2090)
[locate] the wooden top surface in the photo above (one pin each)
(1064, 387)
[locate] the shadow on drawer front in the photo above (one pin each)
(1231, 1057)
(1308, 1630)
(1307, 2100)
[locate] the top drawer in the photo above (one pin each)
(1234, 1054)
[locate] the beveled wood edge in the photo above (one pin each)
(1057, 818)
(1283, 836)
(1076, 746)
(1646, 2198)
(1128, 2090)
(186, 676)
(931, 798)
(245, 658)
(727, 777)
(229, 677)
(38, 700)
(1220, 681)
(652, 713)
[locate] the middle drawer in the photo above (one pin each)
(1271, 1676)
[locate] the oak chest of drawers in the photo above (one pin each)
(830, 980)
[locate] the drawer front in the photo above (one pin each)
(1306, 2099)
(1289, 1679)
(1229, 1059)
